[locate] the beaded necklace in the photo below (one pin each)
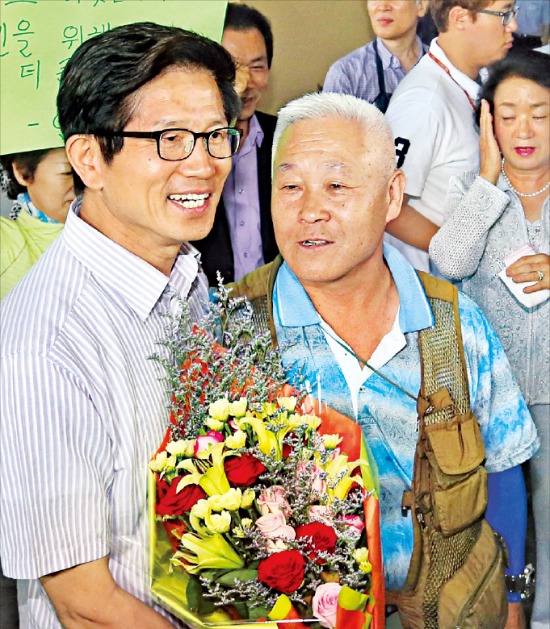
(522, 194)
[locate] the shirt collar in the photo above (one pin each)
(387, 57)
(138, 283)
(255, 135)
(297, 310)
(472, 88)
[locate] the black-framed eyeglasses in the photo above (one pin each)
(507, 16)
(175, 145)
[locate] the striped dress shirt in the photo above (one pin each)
(355, 74)
(83, 409)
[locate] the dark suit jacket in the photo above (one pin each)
(216, 249)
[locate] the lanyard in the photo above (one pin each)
(382, 101)
(366, 364)
(446, 69)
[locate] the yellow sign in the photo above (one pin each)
(38, 37)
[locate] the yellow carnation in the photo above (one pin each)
(236, 440)
(287, 402)
(361, 556)
(331, 441)
(219, 410)
(247, 498)
(238, 408)
(201, 508)
(231, 500)
(214, 424)
(218, 522)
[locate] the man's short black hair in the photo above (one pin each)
(241, 17)
(104, 73)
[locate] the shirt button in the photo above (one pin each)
(241, 223)
(241, 190)
(245, 254)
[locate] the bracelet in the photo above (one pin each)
(522, 584)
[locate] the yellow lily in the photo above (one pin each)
(267, 440)
(214, 481)
(340, 468)
(192, 478)
(203, 553)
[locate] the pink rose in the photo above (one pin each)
(320, 513)
(273, 525)
(354, 523)
(314, 473)
(325, 604)
(204, 442)
(272, 500)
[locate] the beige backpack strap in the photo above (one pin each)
(257, 287)
(448, 491)
(445, 366)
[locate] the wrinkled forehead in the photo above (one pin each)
(333, 144)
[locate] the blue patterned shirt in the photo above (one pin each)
(388, 416)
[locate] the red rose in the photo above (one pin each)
(170, 502)
(243, 471)
(283, 571)
(323, 539)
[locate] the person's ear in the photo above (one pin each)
(20, 176)
(86, 158)
(396, 189)
(459, 17)
(422, 7)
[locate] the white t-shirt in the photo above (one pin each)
(435, 135)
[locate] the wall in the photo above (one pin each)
(309, 35)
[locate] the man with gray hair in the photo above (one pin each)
(348, 310)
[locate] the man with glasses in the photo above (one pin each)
(432, 112)
(145, 112)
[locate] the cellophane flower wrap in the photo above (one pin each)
(257, 514)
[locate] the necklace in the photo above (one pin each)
(365, 363)
(522, 194)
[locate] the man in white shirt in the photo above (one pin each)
(432, 112)
(145, 111)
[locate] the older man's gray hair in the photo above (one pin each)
(318, 106)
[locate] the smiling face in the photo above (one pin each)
(522, 123)
(395, 19)
(149, 205)
(333, 193)
(247, 47)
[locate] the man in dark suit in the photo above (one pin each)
(242, 238)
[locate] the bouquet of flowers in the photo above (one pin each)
(257, 513)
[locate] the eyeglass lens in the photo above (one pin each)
(179, 143)
(509, 16)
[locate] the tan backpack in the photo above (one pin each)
(456, 576)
